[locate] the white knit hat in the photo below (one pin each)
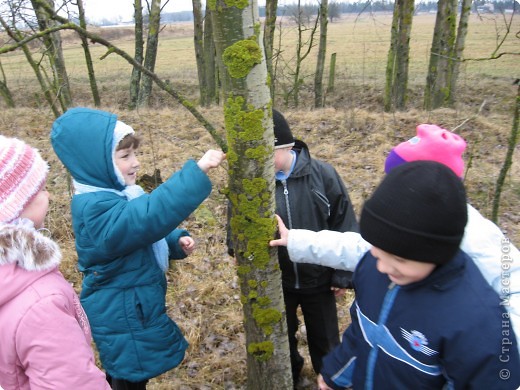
(121, 130)
(22, 175)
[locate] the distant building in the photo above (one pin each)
(488, 8)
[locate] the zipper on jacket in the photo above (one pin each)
(324, 199)
(289, 223)
(388, 302)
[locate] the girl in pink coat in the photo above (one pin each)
(45, 340)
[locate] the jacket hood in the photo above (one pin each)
(22, 249)
(82, 138)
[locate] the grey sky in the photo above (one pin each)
(111, 9)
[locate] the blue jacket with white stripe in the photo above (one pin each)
(449, 330)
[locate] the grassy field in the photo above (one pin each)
(360, 41)
(353, 134)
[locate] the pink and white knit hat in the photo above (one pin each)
(431, 143)
(22, 175)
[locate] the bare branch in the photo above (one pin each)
(66, 24)
(470, 118)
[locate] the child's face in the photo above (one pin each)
(401, 271)
(282, 159)
(128, 165)
(37, 209)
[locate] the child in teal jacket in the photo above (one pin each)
(124, 239)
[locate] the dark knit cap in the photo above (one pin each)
(418, 212)
(283, 137)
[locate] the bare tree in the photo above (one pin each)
(399, 56)
(334, 11)
(508, 161)
(152, 45)
(54, 53)
(322, 50)
(305, 42)
(88, 57)
(271, 9)
(436, 93)
(4, 90)
(135, 79)
(210, 61)
(247, 113)
(204, 54)
(64, 23)
(19, 38)
(458, 50)
(198, 41)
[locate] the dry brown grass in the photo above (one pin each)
(353, 134)
(203, 294)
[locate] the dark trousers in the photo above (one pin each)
(321, 321)
(121, 384)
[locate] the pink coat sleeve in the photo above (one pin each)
(54, 349)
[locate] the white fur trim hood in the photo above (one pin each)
(31, 250)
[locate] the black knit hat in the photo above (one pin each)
(418, 212)
(283, 137)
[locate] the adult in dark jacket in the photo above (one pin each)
(309, 195)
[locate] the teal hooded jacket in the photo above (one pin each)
(124, 289)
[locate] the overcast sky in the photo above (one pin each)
(111, 9)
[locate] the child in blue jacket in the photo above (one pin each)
(424, 316)
(124, 239)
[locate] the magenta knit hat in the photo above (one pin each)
(431, 143)
(22, 175)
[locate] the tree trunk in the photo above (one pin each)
(88, 57)
(135, 78)
(210, 63)
(248, 122)
(4, 90)
(332, 73)
(271, 8)
(399, 56)
(303, 48)
(458, 52)
(54, 53)
(152, 44)
(6, 94)
(508, 161)
(198, 40)
(322, 50)
(436, 93)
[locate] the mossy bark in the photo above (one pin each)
(212, 88)
(150, 56)
(198, 43)
(135, 78)
(399, 56)
(458, 51)
(248, 122)
(88, 56)
(437, 88)
(54, 53)
(271, 7)
(322, 51)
